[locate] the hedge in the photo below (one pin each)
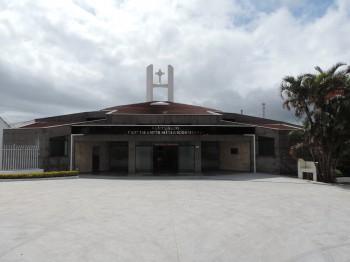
(40, 174)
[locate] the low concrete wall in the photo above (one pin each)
(306, 167)
(23, 171)
(343, 179)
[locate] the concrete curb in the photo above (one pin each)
(21, 171)
(38, 179)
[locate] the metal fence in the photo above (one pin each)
(16, 157)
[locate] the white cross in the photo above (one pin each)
(160, 73)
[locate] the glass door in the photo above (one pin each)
(186, 159)
(144, 159)
(165, 158)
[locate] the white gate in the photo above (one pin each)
(16, 157)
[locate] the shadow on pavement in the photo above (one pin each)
(227, 176)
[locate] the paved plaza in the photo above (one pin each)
(238, 217)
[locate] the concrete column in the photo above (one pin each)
(170, 83)
(253, 150)
(72, 151)
(301, 163)
(1, 138)
(132, 160)
(197, 157)
(3, 125)
(149, 82)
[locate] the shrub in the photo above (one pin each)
(337, 173)
(39, 174)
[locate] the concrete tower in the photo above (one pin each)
(151, 85)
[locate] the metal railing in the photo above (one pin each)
(16, 157)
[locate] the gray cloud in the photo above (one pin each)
(83, 55)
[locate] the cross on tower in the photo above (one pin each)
(159, 73)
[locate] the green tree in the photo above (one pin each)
(322, 100)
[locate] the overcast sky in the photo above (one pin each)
(67, 56)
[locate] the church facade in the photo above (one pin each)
(158, 137)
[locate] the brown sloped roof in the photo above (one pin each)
(168, 108)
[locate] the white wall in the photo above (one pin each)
(3, 125)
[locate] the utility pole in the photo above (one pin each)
(263, 109)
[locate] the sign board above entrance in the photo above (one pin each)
(161, 130)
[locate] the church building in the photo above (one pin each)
(158, 137)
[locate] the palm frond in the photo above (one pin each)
(334, 68)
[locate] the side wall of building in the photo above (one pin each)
(229, 159)
(235, 151)
(281, 162)
(235, 156)
(288, 165)
(267, 163)
(41, 137)
(83, 155)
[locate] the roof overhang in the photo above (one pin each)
(162, 129)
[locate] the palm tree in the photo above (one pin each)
(323, 99)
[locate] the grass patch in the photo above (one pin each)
(40, 174)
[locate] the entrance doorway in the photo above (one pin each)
(210, 156)
(165, 158)
(118, 156)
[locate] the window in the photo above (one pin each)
(266, 146)
(59, 146)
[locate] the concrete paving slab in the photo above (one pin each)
(238, 217)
